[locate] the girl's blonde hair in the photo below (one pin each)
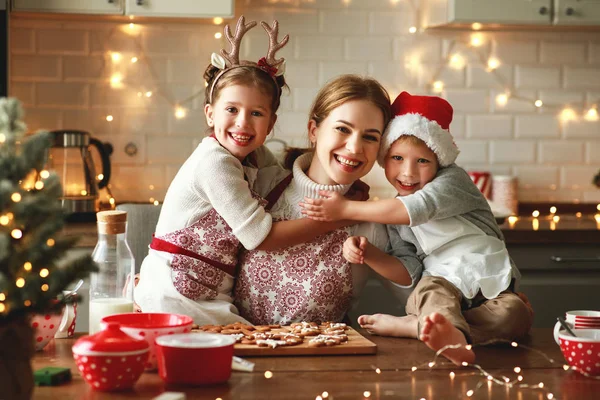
(338, 91)
(248, 74)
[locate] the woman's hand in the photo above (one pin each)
(330, 208)
(354, 249)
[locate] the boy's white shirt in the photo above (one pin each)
(451, 211)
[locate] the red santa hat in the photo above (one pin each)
(425, 117)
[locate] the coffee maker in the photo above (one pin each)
(70, 158)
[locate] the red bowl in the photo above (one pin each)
(194, 358)
(582, 352)
(149, 326)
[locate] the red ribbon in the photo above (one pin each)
(264, 65)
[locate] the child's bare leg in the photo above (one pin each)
(390, 325)
(438, 332)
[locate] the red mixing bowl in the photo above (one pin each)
(197, 358)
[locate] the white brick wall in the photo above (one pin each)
(61, 70)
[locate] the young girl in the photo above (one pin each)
(312, 281)
(209, 208)
(444, 229)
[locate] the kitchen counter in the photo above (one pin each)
(386, 374)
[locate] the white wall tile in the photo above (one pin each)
(472, 151)
(563, 53)
(166, 42)
(578, 177)
(561, 97)
(512, 151)
(594, 52)
(528, 77)
(561, 152)
(345, 22)
(458, 126)
(22, 41)
(537, 176)
(391, 23)
(50, 94)
(186, 69)
(291, 124)
(582, 78)
(169, 149)
(593, 152)
(54, 41)
(489, 126)
(302, 73)
(37, 119)
(368, 49)
(515, 105)
(23, 91)
(35, 68)
(478, 76)
(319, 48)
(303, 98)
(536, 126)
(421, 49)
(512, 52)
(471, 100)
(331, 69)
(85, 68)
(581, 129)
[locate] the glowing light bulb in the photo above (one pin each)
(44, 174)
(39, 185)
(367, 393)
(50, 242)
(20, 282)
(218, 35)
(180, 112)
(116, 57)
(217, 21)
(493, 63)
(134, 60)
(502, 99)
(452, 374)
(457, 61)
(268, 374)
(476, 26)
(16, 233)
(27, 266)
(132, 26)
(413, 369)
(44, 272)
(325, 395)
(578, 214)
(552, 210)
(148, 94)
(378, 371)
(591, 114)
(84, 192)
(111, 200)
(45, 287)
(156, 202)
(535, 214)
(2, 297)
(438, 86)
(4, 220)
(568, 114)
(100, 177)
(412, 29)
(2, 138)
(16, 197)
(476, 40)
(470, 393)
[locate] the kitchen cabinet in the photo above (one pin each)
(437, 13)
(70, 6)
(147, 8)
(180, 8)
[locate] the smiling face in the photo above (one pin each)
(347, 142)
(410, 165)
(241, 118)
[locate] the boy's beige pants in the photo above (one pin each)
(505, 317)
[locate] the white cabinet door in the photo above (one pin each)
(180, 8)
(577, 12)
(504, 11)
(70, 6)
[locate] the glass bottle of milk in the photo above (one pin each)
(111, 288)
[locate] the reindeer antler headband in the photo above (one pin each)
(229, 60)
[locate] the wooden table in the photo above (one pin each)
(386, 375)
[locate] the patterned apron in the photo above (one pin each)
(307, 282)
(205, 256)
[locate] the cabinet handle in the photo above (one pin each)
(569, 11)
(574, 259)
(139, 2)
(111, 1)
(543, 10)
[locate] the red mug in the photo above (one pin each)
(483, 181)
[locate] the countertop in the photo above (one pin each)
(385, 375)
(569, 229)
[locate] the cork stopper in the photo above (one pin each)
(112, 222)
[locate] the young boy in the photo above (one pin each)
(441, 229)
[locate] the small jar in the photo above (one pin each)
(505, 192)
(110, 359)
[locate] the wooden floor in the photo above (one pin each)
(385, 375)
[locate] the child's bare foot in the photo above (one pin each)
(438, 332)
(389, 325)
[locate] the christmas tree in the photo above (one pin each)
(33, 272)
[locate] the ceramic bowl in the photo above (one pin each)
(149, 326)
(194, 358)
(582, 352)
(45, 326)
(110, 359)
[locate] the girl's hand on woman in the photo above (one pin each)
(354, 249)
(329, 208)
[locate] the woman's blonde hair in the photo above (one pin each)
(338, 91)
